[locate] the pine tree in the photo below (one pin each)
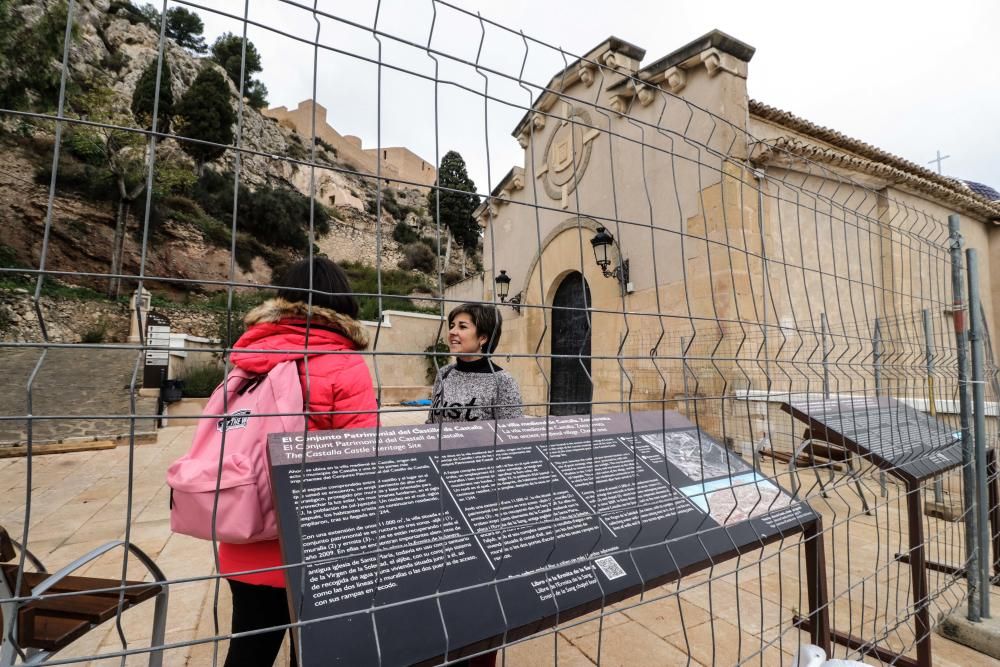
(457, 201)
(144, 96)
(205, 113)
(186, 28)
(228, 52)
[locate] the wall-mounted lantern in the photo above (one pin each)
(503, 285)
(503, 289)
(605, 248)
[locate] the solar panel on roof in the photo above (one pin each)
(983, 190)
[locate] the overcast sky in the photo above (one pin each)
(908, 77)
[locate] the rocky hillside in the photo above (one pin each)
(189, 237)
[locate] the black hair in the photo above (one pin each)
(330, 287)
(486, 319)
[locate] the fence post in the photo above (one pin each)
(684, 377)
(968, 473)
(877, 371)
(877, 357)
(931, 401)
(979, 413)
(825, 332)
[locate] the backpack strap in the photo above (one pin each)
(251, 384)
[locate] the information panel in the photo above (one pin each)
(157, 335)
(441, 540)
(897, 438)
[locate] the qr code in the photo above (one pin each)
(610, 567)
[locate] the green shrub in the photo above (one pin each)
(93, 182)
(452, 276)
(8, 258)
(84, 145)
(326, 146)
(396, 287)
(274, 216)
(181, 206)
(201, 381)
(115, 61)
(173, 178)
(31, 55)
(435, 361)
(229, 323)
(96, 334)
(404, 233)
(418, 257)
(391, 205)
(146, 14)
(433, 244)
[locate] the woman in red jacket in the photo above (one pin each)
(338, 394)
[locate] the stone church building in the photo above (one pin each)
(742, 235)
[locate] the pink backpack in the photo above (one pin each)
(245, 511)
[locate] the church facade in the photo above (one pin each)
(737, 236)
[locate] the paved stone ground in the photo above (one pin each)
(88, 385)
(80, 501)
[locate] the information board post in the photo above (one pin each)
(818, 622)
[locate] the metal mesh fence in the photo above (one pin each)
(787, 319)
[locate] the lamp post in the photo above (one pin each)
(602, 243)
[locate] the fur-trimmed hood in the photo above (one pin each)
(275, 310)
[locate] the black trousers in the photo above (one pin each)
(256, 607)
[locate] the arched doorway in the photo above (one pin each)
(571, 389)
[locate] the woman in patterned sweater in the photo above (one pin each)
(474, 387)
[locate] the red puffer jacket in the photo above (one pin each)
(337, 382)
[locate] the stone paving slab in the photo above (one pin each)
(87, 385)
(739, 611)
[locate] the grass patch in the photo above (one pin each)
(396, 286)
(51, 287)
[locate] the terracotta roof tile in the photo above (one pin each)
(873, 160)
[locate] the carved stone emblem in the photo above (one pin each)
(567, 154)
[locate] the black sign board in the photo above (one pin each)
(157, 335)
(897, 438)
(442, 540)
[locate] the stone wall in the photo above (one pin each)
(403, 338)
(353, 239)
(470, 289)
(397, 162)
(70, 320)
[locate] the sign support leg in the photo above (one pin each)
(918, 572)
(819, 603)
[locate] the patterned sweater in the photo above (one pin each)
(473, 390)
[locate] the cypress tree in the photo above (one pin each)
(206, 114)
(456, 207)
(144, 96)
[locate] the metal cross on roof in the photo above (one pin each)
(938, 159)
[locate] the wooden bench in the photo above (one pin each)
(59, 608)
